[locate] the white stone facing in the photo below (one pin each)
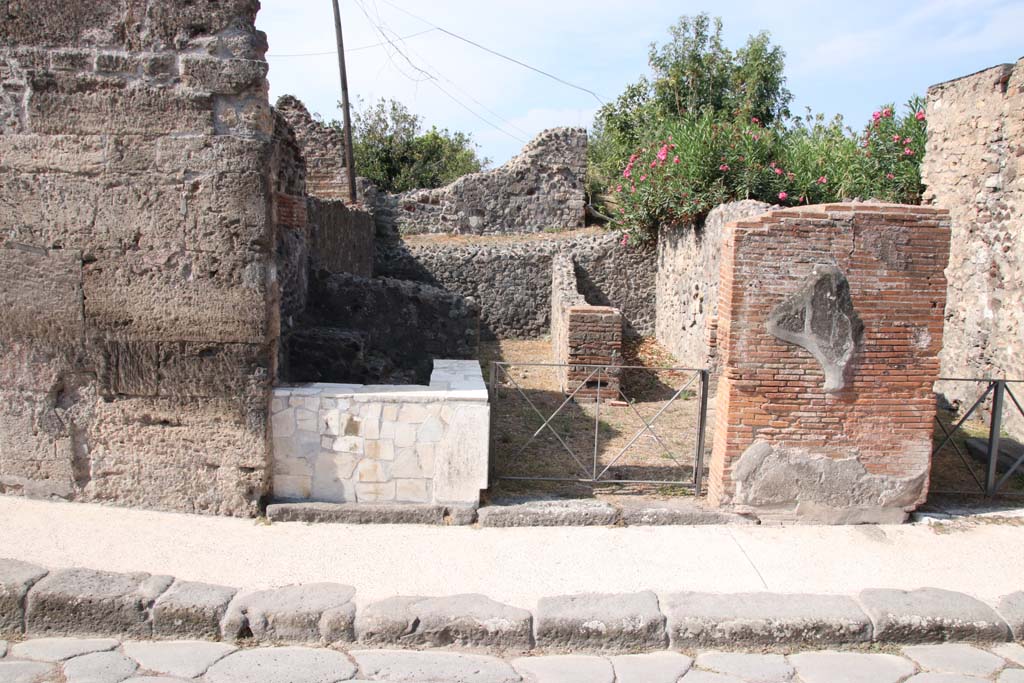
(345, 443)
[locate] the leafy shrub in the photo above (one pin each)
(701, 160)
(392, 150)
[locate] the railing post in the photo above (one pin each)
(995, 427)
(698, 459)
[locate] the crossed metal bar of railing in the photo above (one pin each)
(596, 375)
(999, 390)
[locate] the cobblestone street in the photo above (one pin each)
(76, 660)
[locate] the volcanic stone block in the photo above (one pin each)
(282, 665)
(820, 317)
(566, 669)
(315, 612)
(655, 667)
(222, 76)
(550, 513)
(706, 619)
(357, 513)
(85, 104)
(465, 620)
(41, 294)
(400, 665)
(191, 610)
(1011, 609)
(226, 212)
(85, 601)
(15, 579)
(211, 369)
(931, 615)
(592, 621)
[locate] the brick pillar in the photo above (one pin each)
(829, 329)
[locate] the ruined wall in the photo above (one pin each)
(974, 166)
(541, 188)
(322, 147)
(138, 305)
(830, 325)
(510, 278)
(687, 284)
(343, 238)
(377, 331)
(583, 335)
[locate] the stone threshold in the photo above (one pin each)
(513, 513)
(37, 602)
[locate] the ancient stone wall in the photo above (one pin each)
(323, 149)
(509, 278)
(377, 331)
(138, 302)
(347, 443)
(343, 238)
(541, 188)
(687, 284)
(830, 326)
(974, 166)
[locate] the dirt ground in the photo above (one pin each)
(627, 451)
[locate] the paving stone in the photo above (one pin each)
(931, 677)
(357, 513)
(306, 613)
(696, 676)
(282, 665)
(955, 658)
(682, 512)
(399, 666)
(191, 610)
(594, 621)
(99, 667)
(1011, 676)
(184, 658)
(59, 649)
(753, 668)
(850, 667)
(15, 580)
(657, 667)
(157, 679)
(929, 615)
(707, 619)
(467, 620)
(460, 515)
(85, 601)
(1013, 652)
(549, 513)
(1011, 609)
(25, 672)
(565, 669)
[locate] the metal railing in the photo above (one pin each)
(590, 468)
(999, 390)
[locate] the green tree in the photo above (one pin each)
(392, 149)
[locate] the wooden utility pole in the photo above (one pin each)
(350, 164)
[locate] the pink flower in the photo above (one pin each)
(643, 178)
(919, 115)
(890, 176)
(887, 113)
(632, 158)
(627, 172)
(632, 188)
(907, 141)
(675, 160)
(618, 188)
(876, 115)
(908, 152)
(896, 138)
(756, 138)
(778, 171)
(625, 239)
(723, 167)
(791, 175)
(755, 120)
(822, 180)
(663, 153)
(671, 146)
(783, 196)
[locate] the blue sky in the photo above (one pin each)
(844, 58)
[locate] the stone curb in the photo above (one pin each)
(86, 602)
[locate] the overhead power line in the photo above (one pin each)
(351, 49)
(496, 53)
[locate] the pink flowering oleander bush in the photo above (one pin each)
(696, 162)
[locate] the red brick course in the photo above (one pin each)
(893, 257)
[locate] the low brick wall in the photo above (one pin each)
(583, 335)
(350, 443)
(830, 325)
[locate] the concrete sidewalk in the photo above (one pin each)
(516, 565)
